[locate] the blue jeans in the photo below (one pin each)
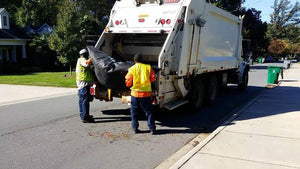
(84, 102)
(144, 104)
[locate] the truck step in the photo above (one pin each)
(175, 104)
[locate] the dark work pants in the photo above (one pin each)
(144, 104)
(84, 102)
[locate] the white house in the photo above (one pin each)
(12, 40)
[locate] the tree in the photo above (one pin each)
(284, 15)
(277, 47)
(254, 30)
(66, 38)
(75, 20)
(228, 5)
(294, 49)
(292, 33)
(43, 55)
(96, 8)
(37, 12)
(284, 28)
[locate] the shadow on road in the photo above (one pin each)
(185, 120)
(289, 80)
(259, 67)
(210, 117)
(117, 112)
(115, 116)
(111, 119)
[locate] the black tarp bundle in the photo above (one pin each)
(109, 72)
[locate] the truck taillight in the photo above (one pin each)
(163, 21)
(118, 22)
(92, 89)
(168, 21)
(141, 20)
(179, 20)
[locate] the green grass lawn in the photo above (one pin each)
(55, 79)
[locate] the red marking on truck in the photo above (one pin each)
(170, 1)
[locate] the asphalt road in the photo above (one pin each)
(48, 133)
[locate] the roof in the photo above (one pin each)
(13, 33)
(44, 25)
(3, 10)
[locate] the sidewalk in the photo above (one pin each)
(265, 134)
(11, 94)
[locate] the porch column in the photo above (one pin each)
(13, 54)
(23, 52)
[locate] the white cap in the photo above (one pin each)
(83, 51)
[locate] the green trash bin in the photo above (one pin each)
(273, 73)
(259, 60)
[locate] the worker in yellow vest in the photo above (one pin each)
(139, 77)
(84, 78)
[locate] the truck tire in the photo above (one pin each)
(212, 90)
(243, 85)
(196, 98)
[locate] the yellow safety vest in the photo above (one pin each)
(141, 77)
(83, 73)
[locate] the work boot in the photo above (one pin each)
(88, 120)
(153, 132)
(136, 131)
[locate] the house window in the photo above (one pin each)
(5, 20)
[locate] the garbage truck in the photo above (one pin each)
(194, 47)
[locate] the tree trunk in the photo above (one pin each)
(70, 69)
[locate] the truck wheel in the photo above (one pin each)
(212, 90)
(243, 85)
(197, 94)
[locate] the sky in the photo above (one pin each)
(264, 6)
